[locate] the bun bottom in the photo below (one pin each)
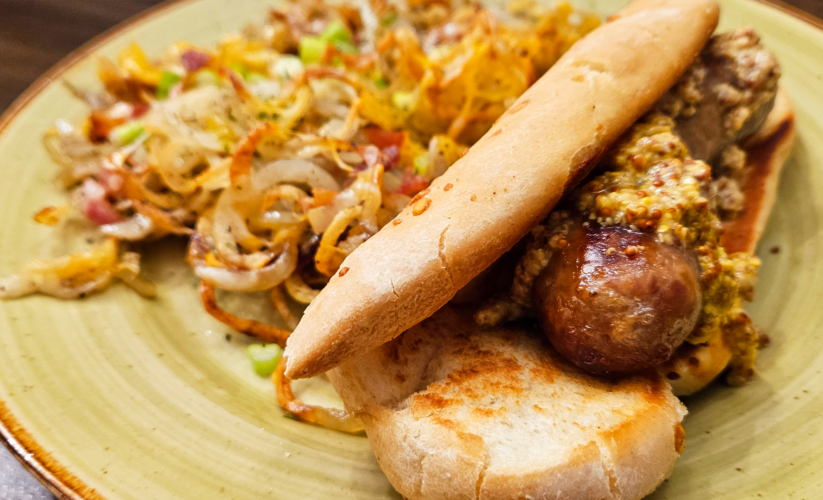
(453, 410)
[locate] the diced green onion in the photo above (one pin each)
(403, 100)
(346, 47)
(264, 358)
(381, 82)
(336, 32)
(126, 133)
(206, 77)
(167, 81)
(421, 164)
(287, 67)
(312, 49)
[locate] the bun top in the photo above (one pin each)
(547, 141)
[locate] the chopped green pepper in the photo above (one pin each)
(336, 32)
(264, 358)
(126, 133)
(167, 81)
(312, 49)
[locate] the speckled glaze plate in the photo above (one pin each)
(118, 397)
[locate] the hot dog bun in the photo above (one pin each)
(767, 152)
(510, 180)
(453, 410)
(693, 367)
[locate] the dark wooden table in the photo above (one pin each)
(34, 35)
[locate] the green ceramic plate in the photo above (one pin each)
(118, 397)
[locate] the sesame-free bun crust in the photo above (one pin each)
(456, 411)
(548, 140)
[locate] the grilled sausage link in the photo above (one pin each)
(616, 301)
(725, 95)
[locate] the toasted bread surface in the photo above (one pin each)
(548, 140)
(453, 410)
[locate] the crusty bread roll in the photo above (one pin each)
(456, 411)
(693, 367)
(487, 201)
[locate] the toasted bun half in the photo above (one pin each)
(550, 138)
(456, 411)
(693, 367)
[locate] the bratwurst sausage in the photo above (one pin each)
(725, 95)
(616, 301)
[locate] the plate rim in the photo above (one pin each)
(34, 458)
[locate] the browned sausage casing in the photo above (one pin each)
(617, 301)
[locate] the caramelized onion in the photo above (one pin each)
(293, 172)
(266, 333)
(330, 418)
(251, 280)
(136, 227)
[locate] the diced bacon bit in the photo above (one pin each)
(139, 109)
(413, 184)
(94, 205)
(111, 181)
(384, 139)
(389, 144)
(388, 157)
(193, 60)
(392, 154)
(101, 212)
